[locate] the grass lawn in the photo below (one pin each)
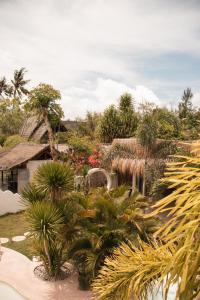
(12, 225)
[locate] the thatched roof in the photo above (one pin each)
(142, 155)
(129, 166)
(33, 128)
(133, 145)
(21, 154)
(141, 152)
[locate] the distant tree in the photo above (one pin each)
(43, 102)
(167, 123)
(110, 125)
(185, 106)
(19, 83)
(128, 117)
(5, 89)
(11, 117)
(89, 125)
(147, 131)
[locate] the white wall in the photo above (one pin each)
(10, 203)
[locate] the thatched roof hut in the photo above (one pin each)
(141, 155)
(129, 166)
(20, 154)
(35, 129)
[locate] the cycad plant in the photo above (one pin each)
(174, 255)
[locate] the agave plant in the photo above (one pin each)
(175, 259)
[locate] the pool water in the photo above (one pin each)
(8, 293)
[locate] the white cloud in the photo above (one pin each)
(93, 50)
(104, 92)
(196, 99)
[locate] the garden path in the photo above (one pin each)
(17, 271)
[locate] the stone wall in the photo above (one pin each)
(10, 203)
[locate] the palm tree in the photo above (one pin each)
(5, 88)
(42, 101)
(175, 258)
(106, 222)
(19, 83)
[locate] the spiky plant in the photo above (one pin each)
(54, 179)
(176, 259)
(30, 194)
(46, 224)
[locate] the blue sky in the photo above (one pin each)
(94, 50)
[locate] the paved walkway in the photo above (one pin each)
(17, 271)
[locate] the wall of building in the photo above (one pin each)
(32, 166)
(23, 179)
(10, 203)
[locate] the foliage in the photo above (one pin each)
(54, 179)
(106, 221)
(118, 122)
(185, 106)
(16, 88)
(110, 124)
(176, 258)
(147, 132)
(89, 125)
(46, 223)
(49, 215)
(11, 117)
(128, 117)
(83, 153)
(43, 102)
(13, 140)
(167, 123)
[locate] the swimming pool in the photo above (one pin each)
(8, 293)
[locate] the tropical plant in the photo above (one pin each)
(11, 117)
(5, 89)
(42, 102)
(54, 179)
(185, 106)
(46, 224)
(109, 125)
(51, 212)
(106, 221)
(147, 132)
(128, 117)
(19, 83)
(175, 258)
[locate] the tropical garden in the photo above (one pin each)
(122, 244)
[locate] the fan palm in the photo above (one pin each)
(19, 83)
(176, 259)
(42, 102)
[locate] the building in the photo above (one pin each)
(18, 164)
(134, 159)
(35, 129)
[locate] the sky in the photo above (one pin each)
(95, 50)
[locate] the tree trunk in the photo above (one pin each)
(53, 151)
